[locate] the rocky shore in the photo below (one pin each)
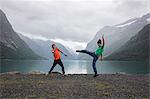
(74, 86)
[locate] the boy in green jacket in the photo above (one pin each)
(96, 54)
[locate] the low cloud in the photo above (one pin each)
(132, 8)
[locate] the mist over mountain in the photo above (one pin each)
(11, 45)
(117, 35)
(135, 49)
(43, 48)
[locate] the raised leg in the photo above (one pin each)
(87, 52)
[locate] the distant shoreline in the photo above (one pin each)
(82, 59)
(45, 73)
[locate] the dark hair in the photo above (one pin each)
(53, 46)
(99, 41)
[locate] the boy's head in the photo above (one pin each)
(53, 46)
(99, 42)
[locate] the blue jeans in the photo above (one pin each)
(95, 58)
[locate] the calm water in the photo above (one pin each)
(76, 66)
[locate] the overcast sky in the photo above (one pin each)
(72, 21)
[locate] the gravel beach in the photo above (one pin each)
(74, 86)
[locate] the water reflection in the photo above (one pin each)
(76, 66)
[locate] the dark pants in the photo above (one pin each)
(95, 58)
(57, 62)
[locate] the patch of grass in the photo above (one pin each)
(131, 97)
(107, 94)
(144, 97)
(9, 82)
(31, 97)
(60, 95)
(102, 86)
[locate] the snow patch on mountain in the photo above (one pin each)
(126, 24)
(148, 19)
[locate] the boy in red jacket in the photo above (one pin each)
(57, 58)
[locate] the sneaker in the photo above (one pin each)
(95, 75)
(49, 72)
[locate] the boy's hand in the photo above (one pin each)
(65, 55)
(100, 58)
(103, 36)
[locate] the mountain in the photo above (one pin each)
(72, 53)
(11, 45)
(117, 35)
(135, 49)
(43, 48)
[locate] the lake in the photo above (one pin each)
(76, 66)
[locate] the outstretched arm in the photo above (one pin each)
(62, 52)
(103, 41)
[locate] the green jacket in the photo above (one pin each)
(99, 51)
